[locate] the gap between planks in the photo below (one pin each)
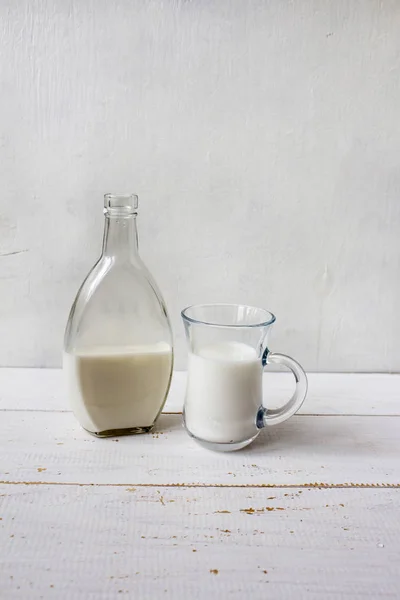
(314, 485)
(45, 410)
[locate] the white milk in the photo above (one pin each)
(224, 392)
(118, 388)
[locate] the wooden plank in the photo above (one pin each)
(110, 542)
(51, 447)
(332, 393)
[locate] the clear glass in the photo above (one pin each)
(227, 354)
(118, 353)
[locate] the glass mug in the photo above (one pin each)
(227, 354)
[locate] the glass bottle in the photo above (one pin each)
(118, 353)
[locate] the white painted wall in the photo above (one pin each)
(263, 139)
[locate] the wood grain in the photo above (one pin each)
(98, 543)
(329, 393)
(297, 514)
(51, 447)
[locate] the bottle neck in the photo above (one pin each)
(120, 239)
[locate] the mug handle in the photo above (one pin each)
(267, 416)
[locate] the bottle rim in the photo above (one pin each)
(121, 204)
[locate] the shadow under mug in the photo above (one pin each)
(227, 354)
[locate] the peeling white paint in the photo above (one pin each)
(261, 137)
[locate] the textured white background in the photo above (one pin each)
(263, 139)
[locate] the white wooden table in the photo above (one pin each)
(310, 510)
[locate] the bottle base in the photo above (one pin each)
(120, 432)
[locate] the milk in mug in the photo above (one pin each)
(224, 392)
